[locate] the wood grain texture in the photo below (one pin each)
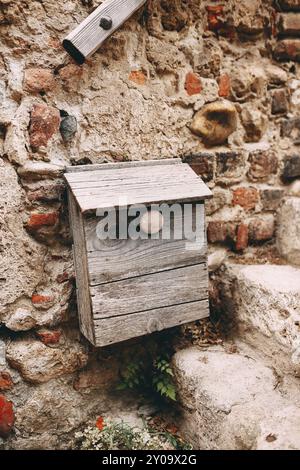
(121, 328)
(112, 260)
(120, 165)
(151, 291)
(81, 270)
(89, 35)
(139, 185)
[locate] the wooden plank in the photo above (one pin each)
(105, 189)
(114, 166)
(151, 291)
(121, 328)
(169, 194)
(139, 257)
(89, 35)
(81, 270)
(129, 173)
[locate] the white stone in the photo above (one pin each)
(288, 233)
(38, 363)
(265, 299)
(229, 401)
(279, 433)
(295, 189)
(21, 320)
(216, 259)
(38, 170)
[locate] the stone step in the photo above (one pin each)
(234, 401)
(261, 303)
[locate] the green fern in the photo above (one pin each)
(159, 377)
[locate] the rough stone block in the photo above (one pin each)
(288, 49)
(45, 122)
(37, 80)
(255, 123)
(40, 170)
(230, 167)
(271, 198)
(288, 233)
(215, 122)
(245, 197)
(38, 363)
(229, 402)
(262, 228)
(263, 164)
(203, 164)
(288, 24)
(289, 5)
(265, 299)
(291, 167)
(221, 197)
(280, 103)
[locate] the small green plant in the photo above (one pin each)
(157, 376)
(132, 376)
(113, 435)
(163, 379)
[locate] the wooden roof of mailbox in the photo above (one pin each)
(124, 184)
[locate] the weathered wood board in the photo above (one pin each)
(151, 291)
(132, 287)
(120, 328)
(102, 189)
(89, 35)
(139, 257)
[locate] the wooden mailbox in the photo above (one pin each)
(129, 287)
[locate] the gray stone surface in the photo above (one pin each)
(264, 299)
(230, 402)
(288, 233)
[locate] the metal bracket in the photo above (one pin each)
(94, 30)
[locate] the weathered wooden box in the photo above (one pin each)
(129, 287)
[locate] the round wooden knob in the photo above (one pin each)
(154, 325)
(152, 222)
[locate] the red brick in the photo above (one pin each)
(288, 49)
(7, 416)
(138, 77)
(242, 237)
(49, 336)
(38, 79)
(220, 231)
(214, 17)
(64, 277)
(37, 221)
(245, 197)
(41, 299)
(193, 84)
(288, 24)
(70, 72)
(6, 382)
(48, 192)
(262, 229)
(44, 123)
(55, 43)
(289, 5)
(224, 85)
(203, 164)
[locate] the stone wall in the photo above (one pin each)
(216, 83)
